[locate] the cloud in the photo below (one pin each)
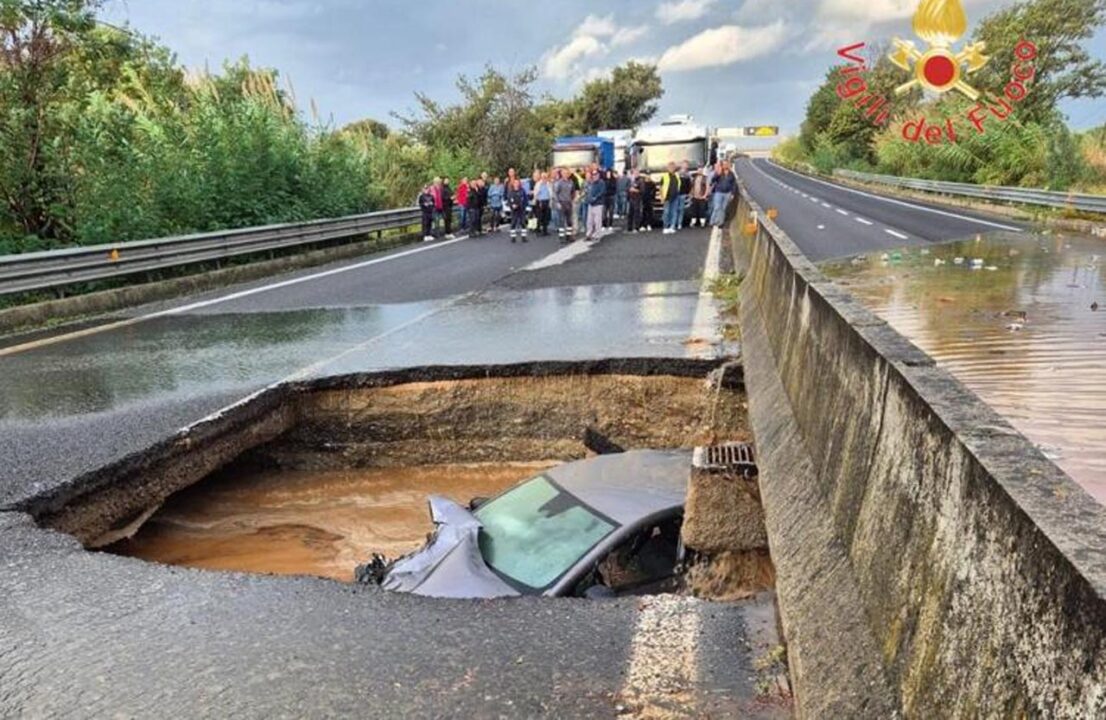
(597, 26)
(723, 45)
(628, 36)
(671, 13)
(592, 38)
(564, 62)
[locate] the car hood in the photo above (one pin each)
(450, 565)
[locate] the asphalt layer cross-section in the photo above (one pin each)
(828, 220)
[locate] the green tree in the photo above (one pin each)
(35, 38)
(495, 121)
(1065, 69)
(368, 128)
(626, 99)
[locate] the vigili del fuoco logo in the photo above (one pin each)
(939, 68)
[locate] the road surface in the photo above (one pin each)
(828, 220)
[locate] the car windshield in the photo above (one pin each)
(655, 158)
(536, 532)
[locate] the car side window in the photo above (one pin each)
(644, 564)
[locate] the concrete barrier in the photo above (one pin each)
(931, 561)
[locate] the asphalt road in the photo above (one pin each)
(828, 220)
(78, 399)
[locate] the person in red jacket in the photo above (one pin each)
(463, 202)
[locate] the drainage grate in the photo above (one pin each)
(727, 457)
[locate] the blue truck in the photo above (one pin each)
(582, 151)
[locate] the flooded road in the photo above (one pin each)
(309, 523)
(1012, 318)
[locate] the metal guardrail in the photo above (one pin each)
(56, 268)
(1021, 196)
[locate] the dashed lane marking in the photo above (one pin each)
(863, 221)
(892, 201)
(842, 212)
(897, 234)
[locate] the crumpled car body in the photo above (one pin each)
(547, 534)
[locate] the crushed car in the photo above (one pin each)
(607, 526)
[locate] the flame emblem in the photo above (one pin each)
(940, 23)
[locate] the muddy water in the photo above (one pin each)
(1019, 330)
(309, 523)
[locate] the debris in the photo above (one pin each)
(958, 261)
(1094, 306)
(938, 262)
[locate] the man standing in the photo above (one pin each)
(725, 185)
(648, 202)
(563, 193)
(471, 208)
(670, 196)
(685, 190)
(634, 191)
(597, 200)
(426, 205)
(622, 199)
(447, 208)
(516, 201)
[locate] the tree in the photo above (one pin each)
(496, 121)
(368, 128)
(627, 99)
(1064, 67)
(34, 40)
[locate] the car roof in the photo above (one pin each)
(629, 486)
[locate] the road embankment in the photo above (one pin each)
(931, 562)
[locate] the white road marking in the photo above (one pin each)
(863, 221)
(826, 205)
(577, 247)
(707, 322)
(842, 212)
(899, 235)
(663, 670)
(881, 198)
(222, 299)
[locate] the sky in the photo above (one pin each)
(726, 62)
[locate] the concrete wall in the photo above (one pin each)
(931, 562)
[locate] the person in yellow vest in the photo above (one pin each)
(670, 196)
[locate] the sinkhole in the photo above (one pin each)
(316, 478)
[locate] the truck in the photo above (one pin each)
(676, 139)
(622, 139)
(583, 150)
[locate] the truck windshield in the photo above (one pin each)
(655, 158)
(535, 533)
(573, 158)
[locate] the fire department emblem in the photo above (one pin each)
(940, 23)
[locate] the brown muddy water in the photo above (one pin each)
(1012, 317)
(309, 523)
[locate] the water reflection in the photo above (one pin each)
(1011, 316)
(182, 356)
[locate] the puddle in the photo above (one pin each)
(1019, 330)
(309, 523)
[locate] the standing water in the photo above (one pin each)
(309, 523)
(1019, 319)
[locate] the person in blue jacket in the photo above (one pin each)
(496, 194)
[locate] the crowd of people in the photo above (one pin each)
(581, 203)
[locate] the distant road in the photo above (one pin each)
(830, 220)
